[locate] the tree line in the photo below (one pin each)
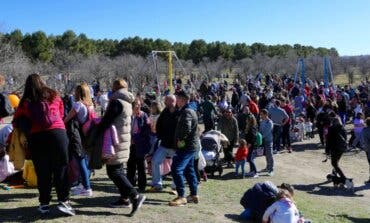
(73, 58)
(39, 46)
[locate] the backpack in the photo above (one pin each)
(90, 121)
(5, 108)
(42, 115)
(258, 139)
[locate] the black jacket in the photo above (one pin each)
(186, 130)
(251, 136)
(75, 138)
(166, 125)
(336, 141)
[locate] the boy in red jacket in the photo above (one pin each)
(240, 157)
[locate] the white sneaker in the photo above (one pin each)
(77, 187)
(255, 175)
(271, 173)
(66, 208)
(82, 192)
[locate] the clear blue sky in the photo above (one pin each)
(342, 24)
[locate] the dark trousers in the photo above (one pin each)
(277, 137)
(209, 123)
(183, 166)
(228, 151)
(49, 151)
(136, 163)
(285, 135)
(335, 157)
(117, 174)
(320, 130)
(250, 159)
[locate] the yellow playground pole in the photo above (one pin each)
(170, 71)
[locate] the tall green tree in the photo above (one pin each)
(197, 50)
(38, 46)
(241, 51)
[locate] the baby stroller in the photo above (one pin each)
(212, 142)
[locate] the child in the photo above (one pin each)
(241, 156)
(359, 124)
(155, 110)
(308, 128)
(283, 210)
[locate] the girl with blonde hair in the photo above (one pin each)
(79, 113)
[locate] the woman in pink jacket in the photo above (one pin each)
(42, 108)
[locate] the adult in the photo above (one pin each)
(258, 198)
(209, 113)
(186, 144)
(279, 117)
(166, 124)
(266, 128)
(365, 139)
(119, 114)
(79, 113)
(47, 141)
(336, 144)
(228, 126)
(286, 127)
(250, 137)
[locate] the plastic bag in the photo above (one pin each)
(202, 161)
(29, 173)
(6, 168)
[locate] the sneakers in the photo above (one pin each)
(155, 189)
(120, 203)
(44, 209)
(137, 203)
(66, 208)
(82, 192)
(179, 201)
(192, 199)
(173, 191)
(252, 174)
(271, 173)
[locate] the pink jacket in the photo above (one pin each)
(56, 104)
(109, 141)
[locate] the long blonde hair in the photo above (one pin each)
(82, 93)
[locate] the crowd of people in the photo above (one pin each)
(132, 132)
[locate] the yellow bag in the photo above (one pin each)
(17, 148)
(29, 173)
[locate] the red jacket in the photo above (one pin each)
(57, 104)
(241, 154)
(253, 108)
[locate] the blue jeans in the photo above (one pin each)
(250, 158)
(183, 165)
(84, 171)
(160, 154)
(246, 214)
(269, 156)
(240, 163)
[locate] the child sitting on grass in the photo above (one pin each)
(241, 156)
(283, 210)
